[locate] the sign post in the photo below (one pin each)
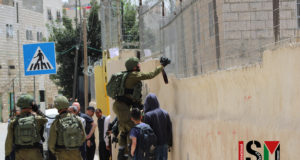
(39, 59)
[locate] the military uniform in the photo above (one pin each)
(24, 152)
(56, 139)
(121, 107)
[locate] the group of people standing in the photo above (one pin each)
(72, 134)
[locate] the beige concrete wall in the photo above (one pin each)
(212, 112)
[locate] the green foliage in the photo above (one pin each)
(94, 32)
(65, 39)
(130, 26)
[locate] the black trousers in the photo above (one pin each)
(90, 151)
(103, 153)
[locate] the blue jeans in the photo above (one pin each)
(161, 152)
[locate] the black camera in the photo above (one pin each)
(164, 61)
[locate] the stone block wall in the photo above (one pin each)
(247, 26)
(11, 55)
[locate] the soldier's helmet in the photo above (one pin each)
(61, 102)
(131, 63)
(25, 101)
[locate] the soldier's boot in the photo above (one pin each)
(121, 154)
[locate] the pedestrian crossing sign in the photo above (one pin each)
(39, 59)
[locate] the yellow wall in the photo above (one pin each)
(212, 112)
(102, 100)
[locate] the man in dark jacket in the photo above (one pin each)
(159, 121)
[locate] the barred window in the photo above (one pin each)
(9, 31)
(29, 35)
(49, 14)
(39, 36)
(58, 16)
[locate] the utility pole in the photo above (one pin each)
(86, 85)
(19, 51)
(163, 8)
(76, 20)
(141, 23)
(76, 57)
(80, 10)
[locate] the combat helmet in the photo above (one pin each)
(25, 101)
(131, 63)
(61, 102)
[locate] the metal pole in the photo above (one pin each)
(217, 38)
(276, 21)
(75, 73)
(163, 8)
(34, 87)
(141, 23)
(76, 20)
(80, 10)
(86, 85)
(19, 61)
(14, 96)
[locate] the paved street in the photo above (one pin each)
(3, 131)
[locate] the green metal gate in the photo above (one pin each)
(11, 103)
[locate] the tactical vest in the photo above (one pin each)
(136, 92)
(70, 133)
(26, 132)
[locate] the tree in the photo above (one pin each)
(130, 25)
(94, 32)
(66, 40)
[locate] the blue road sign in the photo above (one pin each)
(39, 58)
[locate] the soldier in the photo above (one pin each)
(132, 98)
(66, 132)
(24, 132)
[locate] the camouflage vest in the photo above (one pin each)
(116, 87)
(70, 133)
(26, 131)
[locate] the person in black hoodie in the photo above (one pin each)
(159, 121)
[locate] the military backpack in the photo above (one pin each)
(70, 132)
(26, 132)
(116, 87)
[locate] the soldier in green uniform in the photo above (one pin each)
(132, 98)
(24, 132)
(66, 132)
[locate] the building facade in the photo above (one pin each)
(21, 22)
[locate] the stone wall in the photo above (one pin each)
(248, 27)
(12, 67)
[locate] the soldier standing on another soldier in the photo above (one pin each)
(24, 132)
(131, 98)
